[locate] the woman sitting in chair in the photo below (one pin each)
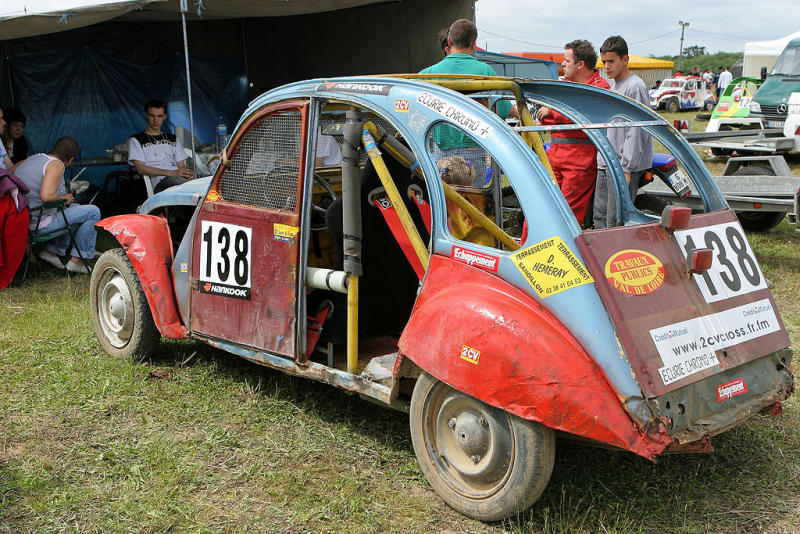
(44, 175)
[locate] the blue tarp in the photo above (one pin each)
(519, 67)
(97, 98)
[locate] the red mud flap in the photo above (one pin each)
(147, 243)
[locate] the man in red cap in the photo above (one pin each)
(572, 154)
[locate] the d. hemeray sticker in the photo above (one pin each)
(550, 267)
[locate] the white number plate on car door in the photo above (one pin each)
(225, 259)
(734, 270)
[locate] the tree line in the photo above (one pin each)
(696, 56)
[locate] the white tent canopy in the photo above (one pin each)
(769, 48)
(759, 54)
(24, 18)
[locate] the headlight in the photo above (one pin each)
(755, 106)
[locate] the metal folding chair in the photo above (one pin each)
(36, 236)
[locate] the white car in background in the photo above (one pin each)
(681, 93)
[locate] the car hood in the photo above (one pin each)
(188, 194)
(658, 93)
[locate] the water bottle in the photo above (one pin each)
(222, 133)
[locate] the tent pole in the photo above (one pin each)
(8, 70)
(246, 66)
(184, 8)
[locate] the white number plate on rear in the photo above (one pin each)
(734, 270)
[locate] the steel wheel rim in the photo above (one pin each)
(470, 443)
(115, 308)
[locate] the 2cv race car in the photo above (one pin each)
(399, 273)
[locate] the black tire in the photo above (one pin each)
(723, 151)
(482, 461)
(671, 106)
(758, 221)
(120, 312)
(708, 106)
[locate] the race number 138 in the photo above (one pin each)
(225, 254)
(734, 270)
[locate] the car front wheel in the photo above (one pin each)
(120, 312)
(671, 106)
(483, 461)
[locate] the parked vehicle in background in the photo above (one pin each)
(733, 110)
(400, 273)
(772, 98)
(682, 93)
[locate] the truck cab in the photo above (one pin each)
(772, 98)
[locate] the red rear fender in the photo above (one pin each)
(490, 340)
(147, 243)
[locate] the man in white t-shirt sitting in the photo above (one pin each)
(156, 153)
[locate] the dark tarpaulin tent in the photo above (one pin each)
(96, 97)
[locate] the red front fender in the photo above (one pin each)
(490, 340)
(147, 243)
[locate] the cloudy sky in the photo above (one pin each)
(544, 26)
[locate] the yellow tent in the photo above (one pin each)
(639, 62)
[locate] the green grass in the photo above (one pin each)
(197, 440)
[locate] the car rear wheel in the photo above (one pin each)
(709, 106)
(483, 461)
(120, 312)
(758, 221)
(671, 106)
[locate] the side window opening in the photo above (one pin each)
(663, 182)
(482, 206)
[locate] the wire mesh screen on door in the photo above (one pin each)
(265, 170)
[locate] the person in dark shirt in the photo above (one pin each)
(14, 141)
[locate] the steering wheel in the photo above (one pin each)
(319, 210)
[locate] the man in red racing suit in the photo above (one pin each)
(572, 154)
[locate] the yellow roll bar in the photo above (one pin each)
(352, 324)
(478, 216)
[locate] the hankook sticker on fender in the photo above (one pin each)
(550, 267)
(635, 272)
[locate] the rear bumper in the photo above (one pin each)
(695, 413)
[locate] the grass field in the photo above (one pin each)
(197, 440)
